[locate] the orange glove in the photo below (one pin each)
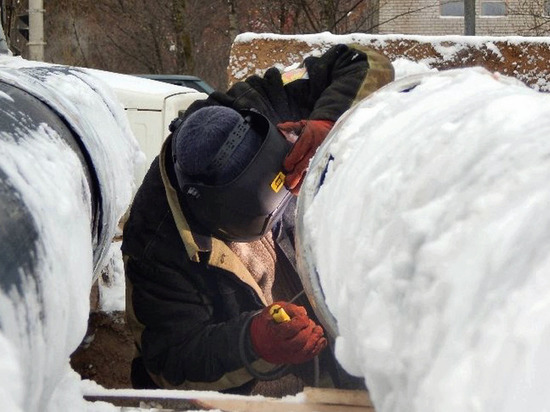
(294, 341)
(311, 134)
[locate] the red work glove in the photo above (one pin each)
(311, 134)
(296, 340)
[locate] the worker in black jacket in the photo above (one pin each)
(208, 242)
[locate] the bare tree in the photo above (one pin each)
(535, 14)
(143, 35)
(182, 39)
(233, 19)
(195, 36)
(312, 16)
(11, 9)
(212, 32)
(127, 36)
(67, 33)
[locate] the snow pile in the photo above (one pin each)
(431, 236)
(111, 283)
(404, 67)
(524, 58)
(44, 313)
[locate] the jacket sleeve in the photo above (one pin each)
(342, 76)
(337, 79)
(184, 341)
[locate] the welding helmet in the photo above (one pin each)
(247, 206)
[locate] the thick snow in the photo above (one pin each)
(331, 38)
(137, 84)
(42, 326)
(431, 237)
(111, 285)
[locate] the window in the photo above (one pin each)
(493, 8)
(452, 8)
(455, 8)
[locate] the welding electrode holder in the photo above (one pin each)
(264, 376)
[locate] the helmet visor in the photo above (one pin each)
(247, 207)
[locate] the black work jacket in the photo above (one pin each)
(188, 296)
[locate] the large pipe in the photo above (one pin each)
(307, 265)
(423, 235)
(66, 177)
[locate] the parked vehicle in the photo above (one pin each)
(150, 107)
(181, 80)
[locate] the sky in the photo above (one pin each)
(429, 235)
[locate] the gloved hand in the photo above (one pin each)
(281, 342)
(311, 134)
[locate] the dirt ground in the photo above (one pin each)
(106, 352)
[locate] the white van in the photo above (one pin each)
(150, 106)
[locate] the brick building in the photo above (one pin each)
(446, 17)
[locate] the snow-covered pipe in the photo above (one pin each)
(424, 239)
(318, 168)
(67, 162)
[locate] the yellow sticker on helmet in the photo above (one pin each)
(278, 182)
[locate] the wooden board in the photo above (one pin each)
(310, 400)
(276, 406)
(316, 400)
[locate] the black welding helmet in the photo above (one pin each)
(247, 205)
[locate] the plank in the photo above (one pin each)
(310, 400)
(316, 400)
(338, 396)
(235, 405)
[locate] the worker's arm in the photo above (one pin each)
(337, 80)
(190, 329)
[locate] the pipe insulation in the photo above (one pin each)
(67, 161)
(423, 237)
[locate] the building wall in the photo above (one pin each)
(423, 17)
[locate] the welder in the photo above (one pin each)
(209, 242)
